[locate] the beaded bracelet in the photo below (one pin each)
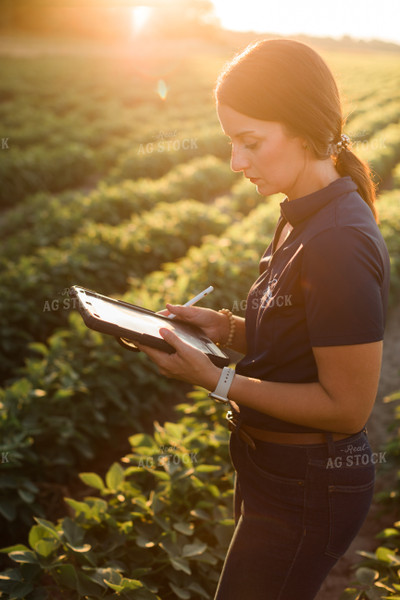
(232, 325)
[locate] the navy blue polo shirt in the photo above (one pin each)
(327, 285)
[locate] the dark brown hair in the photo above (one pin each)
(287, 81)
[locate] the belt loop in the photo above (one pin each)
(331, 444)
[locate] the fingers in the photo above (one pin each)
(184, 312)
(171, 338)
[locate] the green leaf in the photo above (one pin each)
(180, 564)
(366, 576)
(131, 584)
(207, 468)
(63, 394)
(38, 347)
(72, 532)
(200, 514)
(185, 528)
(141, 439)
(20, 590)
(190, 550)
(114, 476)
(351, 594)
(386, 555)
(23, 557)
(99, 575)
(195, 587)
(79, 507)
(26, 496)
(11, 575)
(80, 549)
(15, 548)
(143, 542)
(179, 592)
(388, 532)
(66, 576)
(110, 575)
(36, 534)
(93, 480)
(49, 527)
(114, 586)
(46, 547)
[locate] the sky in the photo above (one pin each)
(361, 19)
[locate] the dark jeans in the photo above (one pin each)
(297, 510)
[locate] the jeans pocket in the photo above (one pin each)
(270, 468)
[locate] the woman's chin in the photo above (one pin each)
(263, 189)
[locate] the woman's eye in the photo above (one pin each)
(252, 146)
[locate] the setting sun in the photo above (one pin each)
(139, 17)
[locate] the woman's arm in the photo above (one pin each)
(340, 401)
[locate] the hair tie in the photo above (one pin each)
(342, 144)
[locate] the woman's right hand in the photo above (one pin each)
(214, 324)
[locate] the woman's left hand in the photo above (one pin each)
(186, 363)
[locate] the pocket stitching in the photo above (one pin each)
(276, 478)
(341, 489)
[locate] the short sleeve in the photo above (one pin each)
(342, 278)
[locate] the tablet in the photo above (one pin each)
(130, 323)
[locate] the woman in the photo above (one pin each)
(312, 334)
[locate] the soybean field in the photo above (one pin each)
(115, 176)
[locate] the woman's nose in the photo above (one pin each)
(239, 162)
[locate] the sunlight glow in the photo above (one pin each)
(364, 19)
(139, 17)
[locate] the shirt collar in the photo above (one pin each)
(295, 211)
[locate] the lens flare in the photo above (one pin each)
(162, 89)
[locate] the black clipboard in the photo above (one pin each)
(129, 323)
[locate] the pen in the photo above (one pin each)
(195, 299)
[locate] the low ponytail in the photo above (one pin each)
(347, 163)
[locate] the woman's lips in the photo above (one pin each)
(254, 179)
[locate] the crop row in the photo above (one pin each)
(61, 141)
(73, 165)
(46, 219)
(367, 124)
(367, 91)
